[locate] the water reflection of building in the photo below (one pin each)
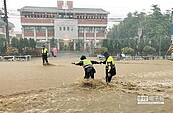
(67, 25)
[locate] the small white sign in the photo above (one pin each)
(152, 99)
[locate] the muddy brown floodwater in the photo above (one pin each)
(29, 87)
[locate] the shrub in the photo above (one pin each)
(127, 50)
(11, 50)
(149, 50)
(100, 50)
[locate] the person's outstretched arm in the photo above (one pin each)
(103, 62)
(95, 62)
(79, 63)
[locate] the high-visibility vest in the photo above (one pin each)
(171, 49)
(44, 51)
(109, 63)
(86, 63)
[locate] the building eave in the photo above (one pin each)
(56, 10)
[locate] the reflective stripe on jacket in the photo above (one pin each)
(110, 63)
(44, 51)
(87, 63)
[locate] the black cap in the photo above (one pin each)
(83, 57)
(106, 54)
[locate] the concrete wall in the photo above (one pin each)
(66, 28)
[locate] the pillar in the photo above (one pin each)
(58, 46)
(74, 45)
(22, 32)
(95, 37)
(35, 38)
(46, 31)
(48, 42)
(84, 39)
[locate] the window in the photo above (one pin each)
(81, 30)
(28, 29)
(71, 28)
(100, 29)
(50, 29)
(68, 28)
(40, 29)
(90, 29)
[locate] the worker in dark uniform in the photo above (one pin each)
(110, 67)
(88, 67)
(44, 55)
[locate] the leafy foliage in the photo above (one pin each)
(24, 46)
(149, 50)
(140, 29)
(127, 50)
(101, 50)
(2, 45)
(11, 50)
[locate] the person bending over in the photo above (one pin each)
(88, 66)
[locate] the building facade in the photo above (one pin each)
(3, 29)
(65, 25)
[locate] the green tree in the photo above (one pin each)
(25, 42)
(127, 50)
(15, 42)
(149, 50)
(2, 45)
(21, 44)
(155, 27)
(32, 43)
(100, 50)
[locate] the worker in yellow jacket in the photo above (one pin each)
(88, 66)
(44, 55)
(110, 67)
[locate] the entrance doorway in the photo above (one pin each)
(66, 44)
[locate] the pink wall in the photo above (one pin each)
(41, 34)
(35, 20)
(31, 34)
(50, 34)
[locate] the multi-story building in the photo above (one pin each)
(3, 29)
(66, 25)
